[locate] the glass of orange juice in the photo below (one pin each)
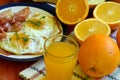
(60, 57)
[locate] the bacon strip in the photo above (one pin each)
(5, 17)
(10, 23)
(21, 15)
(18, 18)
(16, 27)
(2, 33)
(5, 52)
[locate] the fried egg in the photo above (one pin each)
(30, 40)
(40, 26)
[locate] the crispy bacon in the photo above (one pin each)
(21, 15)
(16, 27)
(6, 13)
(10, 23)
(5, 17)
(5, 52)
(3, 21)
(6, 26)
(2, 33)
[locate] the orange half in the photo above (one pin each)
(72, 11)
(88, 27)
(109, 13)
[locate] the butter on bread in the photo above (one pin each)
(50, 1)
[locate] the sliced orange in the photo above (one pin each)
(72, 11)
(88, 27)
(109, 13)
(93, 3)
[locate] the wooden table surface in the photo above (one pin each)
(9, 69)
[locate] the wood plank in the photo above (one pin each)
(9, 69)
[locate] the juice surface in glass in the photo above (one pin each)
(61, 61)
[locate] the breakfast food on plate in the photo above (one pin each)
(88, 27)
(51, 1)
(108, 12)
(24, 32)
(72, 11)
(99, 55)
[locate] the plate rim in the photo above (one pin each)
(44, 6)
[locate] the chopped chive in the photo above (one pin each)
(10, 39)
(36, 23)
(43, 17)
(25, 39)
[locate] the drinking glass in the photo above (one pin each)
(60, 57)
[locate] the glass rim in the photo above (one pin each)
(73, 40)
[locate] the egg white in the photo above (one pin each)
(34, 45)
(36, 33)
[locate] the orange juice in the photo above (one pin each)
(61, 60)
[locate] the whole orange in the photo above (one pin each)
(98, 55)
(118, 38)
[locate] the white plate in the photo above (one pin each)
(15, 7)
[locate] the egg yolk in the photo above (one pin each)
(20, 39)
